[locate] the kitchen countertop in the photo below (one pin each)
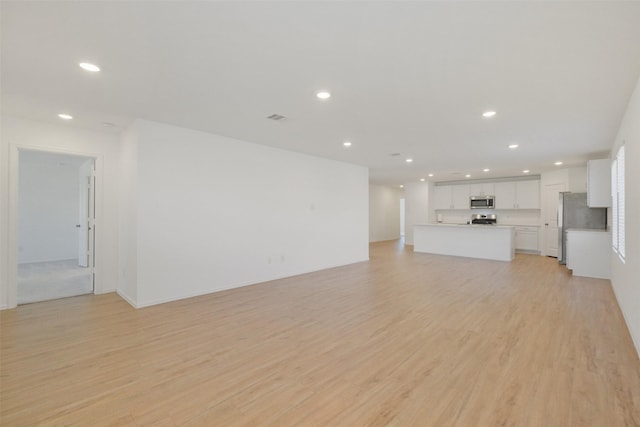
(469, 225)
(499, 224)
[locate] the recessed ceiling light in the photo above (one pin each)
(65, 116)
(485, 170)
(409, 160)
(525, 171)
(422, 179)
(401, 186)
(557, 163)
(467, 176)
(89, 67)
(513, 146)
(347, 143)
(323, 95)
(430, 174)
(488, 114)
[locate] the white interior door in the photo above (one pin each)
(83, 220)
(550, 217)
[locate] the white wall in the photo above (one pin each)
(215, 213)
(48, 199)
(575, 179)
(128, 219)
(384, 212)
(19, 133)
(625, 277)
(416, 195)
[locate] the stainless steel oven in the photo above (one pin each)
(482, 202)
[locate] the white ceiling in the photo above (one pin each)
(406, 77)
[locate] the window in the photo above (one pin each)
(617, 204)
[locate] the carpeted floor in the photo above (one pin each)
(41, 281)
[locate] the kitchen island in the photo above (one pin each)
(495, 242)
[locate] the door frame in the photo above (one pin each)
(86, 216)
(544, 212)
(12, 265)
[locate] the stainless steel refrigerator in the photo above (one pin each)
(573, 212)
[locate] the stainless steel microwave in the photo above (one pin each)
(482, 202)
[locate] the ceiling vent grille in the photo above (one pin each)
(276, 117)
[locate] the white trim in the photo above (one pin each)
(127, 298)
(12, 256)
(618, 202)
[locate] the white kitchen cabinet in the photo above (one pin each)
(505, 193)
(451, 197)
(528, 194)
(460, 196)
(526, 238)
(442, 197)
(589, 253)
(483, 189)
(517, 195)
(472, 241)
(599, 183)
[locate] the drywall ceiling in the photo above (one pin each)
(407, 78)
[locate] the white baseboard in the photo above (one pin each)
(125, 297)
(226, 288)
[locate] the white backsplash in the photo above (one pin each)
(505, 217)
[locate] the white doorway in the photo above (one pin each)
(550, 195)
(402, 218)
(55, 239)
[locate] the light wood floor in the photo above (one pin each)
(404, 340)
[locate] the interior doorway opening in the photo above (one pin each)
(402, 218)
(550, 195)
(56, 226)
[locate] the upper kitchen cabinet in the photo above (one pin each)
(517, 195)
(460, 196)
(505, 193)
(599, 183)
(451, 197)
(442, 197)
(484, 189)
(528, 194)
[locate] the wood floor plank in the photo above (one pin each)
(404, 339)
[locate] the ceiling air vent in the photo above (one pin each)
(276, 117)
